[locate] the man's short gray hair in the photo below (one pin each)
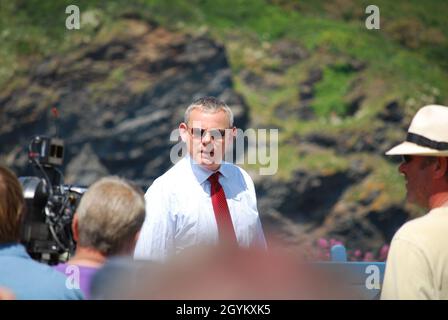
(110, 214)
(209, 104)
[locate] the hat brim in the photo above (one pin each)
(414, 149)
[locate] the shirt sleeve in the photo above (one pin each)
(156, 239)
(259, 239)
(408, 273)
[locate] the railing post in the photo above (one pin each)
(338, 253)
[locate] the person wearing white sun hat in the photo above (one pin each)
(417, 264)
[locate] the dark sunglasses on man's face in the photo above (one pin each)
(214, 133)
(406, 158)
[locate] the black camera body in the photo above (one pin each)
(46, 229)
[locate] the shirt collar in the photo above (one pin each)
(202, 174)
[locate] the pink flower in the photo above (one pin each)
(368, 256)
(322, 243)
(332, 242)
(383, 252)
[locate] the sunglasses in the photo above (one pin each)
(405, 158)
(199, 133)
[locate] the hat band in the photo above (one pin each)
(425, 142)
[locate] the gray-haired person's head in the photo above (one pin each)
(211, 105)
(110, 214)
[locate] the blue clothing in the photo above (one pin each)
(29, 279)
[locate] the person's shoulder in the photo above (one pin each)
(61, 267)
(407, 230)
(170, 177)
(57, 277)
(58, 284)
(23, 264)
(67, 268)
(423, 228)
(47, 283)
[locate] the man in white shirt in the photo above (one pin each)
(417, 264)
(201, 200)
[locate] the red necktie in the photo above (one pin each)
(222, 213)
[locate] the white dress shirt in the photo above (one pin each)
(179, 211)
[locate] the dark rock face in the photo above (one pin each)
(288, 52)
(392, 113)
(306, 94)
(310, 207)
(388, 221)
(118, 102)
(302, 110)
(354, 105)
(308, 200)
(322, 140)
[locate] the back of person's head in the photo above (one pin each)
(110, 215)
(12, 205)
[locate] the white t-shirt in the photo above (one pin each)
(417, 264)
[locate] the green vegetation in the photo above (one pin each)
(330, 92)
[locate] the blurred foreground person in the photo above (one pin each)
(6, 294)
(106, 223)
(19, 274)
(417, 264)
(219, 273)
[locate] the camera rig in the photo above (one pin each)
(46, 231)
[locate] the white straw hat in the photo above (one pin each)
(427, 134)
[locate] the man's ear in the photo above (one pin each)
(441, 167)
(234, 132)
(75, 227)
(134, 241)
(183, 130)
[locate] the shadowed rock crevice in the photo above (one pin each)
(308, 198)
(388, 221)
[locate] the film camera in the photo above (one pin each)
(50, 204)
